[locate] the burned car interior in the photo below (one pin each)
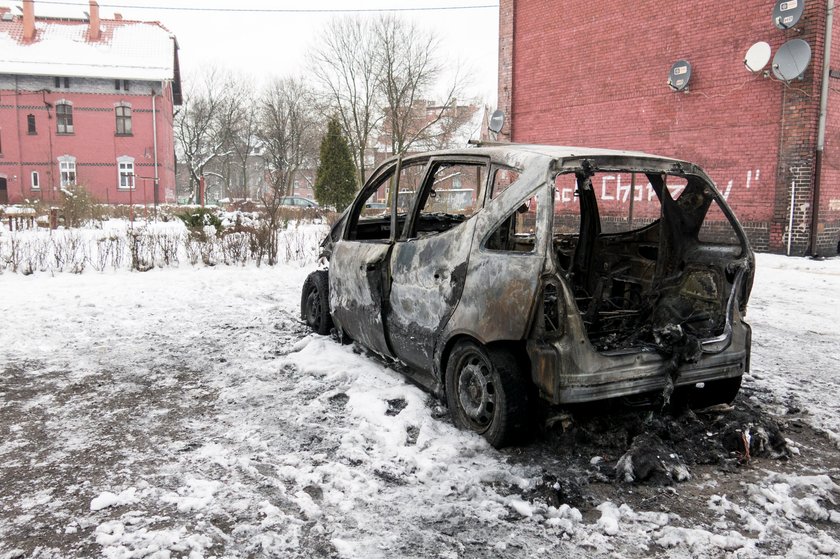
(633, 278)
(507, 272)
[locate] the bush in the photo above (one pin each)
(146, 247)
(196, 219)
(79, 207)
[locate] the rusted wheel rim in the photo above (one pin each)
(313, 306)
(476, 392)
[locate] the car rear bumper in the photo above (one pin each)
(570, 371)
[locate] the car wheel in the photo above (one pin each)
(486, 393)
(315, 302)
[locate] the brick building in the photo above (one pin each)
(88, 102)
(595, 73)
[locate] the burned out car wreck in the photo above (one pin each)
(506, 274)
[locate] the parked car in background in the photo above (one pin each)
(375, 208)
(504, 274)
(298, 202)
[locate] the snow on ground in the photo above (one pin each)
(795, 315)
(187, 413)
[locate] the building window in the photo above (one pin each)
(67, 170)
(64, 117)
(30, 124)
(123, 113)
(62, 82)
(126, 173)
(36, 181)
(121, 84)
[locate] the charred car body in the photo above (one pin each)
(505, 273)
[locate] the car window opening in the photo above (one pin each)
(454, 194)
(518, 232)
(644, 253)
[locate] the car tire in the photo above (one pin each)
(315, 302)
(486, 393)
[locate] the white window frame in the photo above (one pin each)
(67, 170)
(125, 173)
(35, 180)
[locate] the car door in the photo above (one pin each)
(360, 262)
(508, 257)
(429, 261)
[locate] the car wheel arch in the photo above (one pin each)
(515, 347)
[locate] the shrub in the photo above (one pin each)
(197, 218)
(79, 207)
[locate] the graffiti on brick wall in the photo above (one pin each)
(801, 217)
(753, 177)
(797, 228)
(618, 187)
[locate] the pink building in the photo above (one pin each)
(88, 102)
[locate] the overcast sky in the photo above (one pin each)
(265, 44)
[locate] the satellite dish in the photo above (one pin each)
(791, 60)
(786, 13)
(497, 120)
(679, 75)
(757, 57)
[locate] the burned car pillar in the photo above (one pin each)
(508, 257)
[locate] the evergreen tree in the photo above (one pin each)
(335, 183)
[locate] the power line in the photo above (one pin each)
(279, 10)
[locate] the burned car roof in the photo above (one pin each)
(503, 151)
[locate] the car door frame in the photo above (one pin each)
(359, 290)
(419, 306)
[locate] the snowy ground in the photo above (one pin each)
(187, 413)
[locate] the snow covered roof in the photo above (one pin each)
(132, 50)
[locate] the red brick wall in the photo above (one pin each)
(506, 41)
(829, 216)
(594, 73)
(94, 144)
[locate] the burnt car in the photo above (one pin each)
(506, 274)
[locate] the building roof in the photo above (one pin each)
(131, 50)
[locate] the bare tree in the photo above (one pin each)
(347, 65)
(409, 70)
(238, 127)
(381, 75)
(197, 124)
(288, 131)
(289, 134)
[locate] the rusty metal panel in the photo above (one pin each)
(427, 279)
(358, 276)
(501, 286)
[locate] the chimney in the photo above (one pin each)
(117, 16)
(94, 33)
(28, 20)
